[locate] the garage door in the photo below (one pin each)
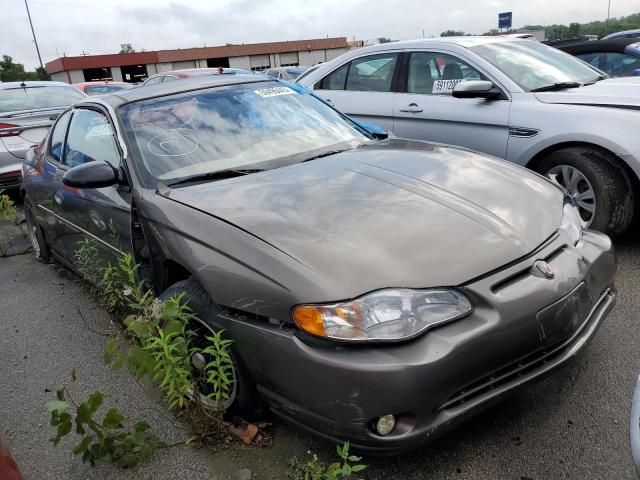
(289, 59)
(259, 62)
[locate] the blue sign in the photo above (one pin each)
(504, 19)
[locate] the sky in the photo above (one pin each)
(72, 27)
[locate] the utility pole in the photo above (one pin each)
(608, 14)
(34, 34)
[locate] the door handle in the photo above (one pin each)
(411, 108)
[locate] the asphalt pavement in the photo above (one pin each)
(573, 425)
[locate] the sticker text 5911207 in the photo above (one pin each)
(445, 86)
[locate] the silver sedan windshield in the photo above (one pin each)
(533, 65)
(233, 127)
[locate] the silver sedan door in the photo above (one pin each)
(363, 88)
(424, 108)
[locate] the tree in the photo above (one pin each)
(14, 72)
(385, 40)
(127, 48)
(453, 33)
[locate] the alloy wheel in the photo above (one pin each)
(579, 188)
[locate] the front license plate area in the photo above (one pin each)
(561, 319)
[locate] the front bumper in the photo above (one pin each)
(437, 381)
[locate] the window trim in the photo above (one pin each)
(50, 157)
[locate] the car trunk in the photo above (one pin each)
(19, 131)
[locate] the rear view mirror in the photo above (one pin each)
(95, 174)
(476, 89)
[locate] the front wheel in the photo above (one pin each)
(243, 397)
(38, 242)
(600, 189)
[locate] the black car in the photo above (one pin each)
(619, 57)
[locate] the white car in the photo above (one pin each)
(515, 99)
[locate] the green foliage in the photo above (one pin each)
(126, 48)
(314, 469)
(598, 27)
(453, 33)
(15, 72)
(86, 259)
(7, 208)
(106, 440)
(218, 372)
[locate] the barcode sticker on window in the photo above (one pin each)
(274, 91)
(445, 86)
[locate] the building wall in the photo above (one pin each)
(311, 58)
(60, 77)
(335, 52)
(183, 65)
(240, 62)
(116, 74)
(77, 76)
(201, 63)
(163, 67)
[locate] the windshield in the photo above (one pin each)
(533, 65)
(33, 98)
(100, 89)
(257, 125)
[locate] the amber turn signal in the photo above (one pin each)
(309, 319)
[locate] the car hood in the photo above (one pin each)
(397, 213)
(617, 92)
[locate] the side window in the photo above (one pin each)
(372, 74)
(90, 138)
(336, 79)
(154, 80)
(57, 136)
(437, 73)
(168, 78)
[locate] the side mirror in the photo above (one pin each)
(476, 89)
(95, 174)
(636, 73)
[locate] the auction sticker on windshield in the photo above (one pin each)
(445, 86)
(274, 91)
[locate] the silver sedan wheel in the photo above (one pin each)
(580, 189)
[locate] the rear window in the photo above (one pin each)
(33, 98)
(100, 89)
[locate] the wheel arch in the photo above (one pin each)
(535, 162)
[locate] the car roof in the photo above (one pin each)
(195, 72)
(99, 82)
(465, 42)
(32, 83)
(624, 33)
(189, 84)
(612, 45)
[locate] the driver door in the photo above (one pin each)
(92, 219)
(424, 108)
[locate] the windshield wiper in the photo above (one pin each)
(218, 175)
(557, 86)
(325, 154)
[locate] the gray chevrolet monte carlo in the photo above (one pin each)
(376, 290)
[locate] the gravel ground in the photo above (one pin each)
(573, 425)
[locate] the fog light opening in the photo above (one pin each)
(385, 424)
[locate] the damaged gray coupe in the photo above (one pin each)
(376, 290)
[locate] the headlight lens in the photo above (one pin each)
(385, 315)
(571, 223)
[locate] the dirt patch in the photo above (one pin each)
(14, 239)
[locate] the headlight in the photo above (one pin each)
(392, 314)
(571, 223)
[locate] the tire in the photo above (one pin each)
(41, 250)
(613, 193)
(245, 401)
